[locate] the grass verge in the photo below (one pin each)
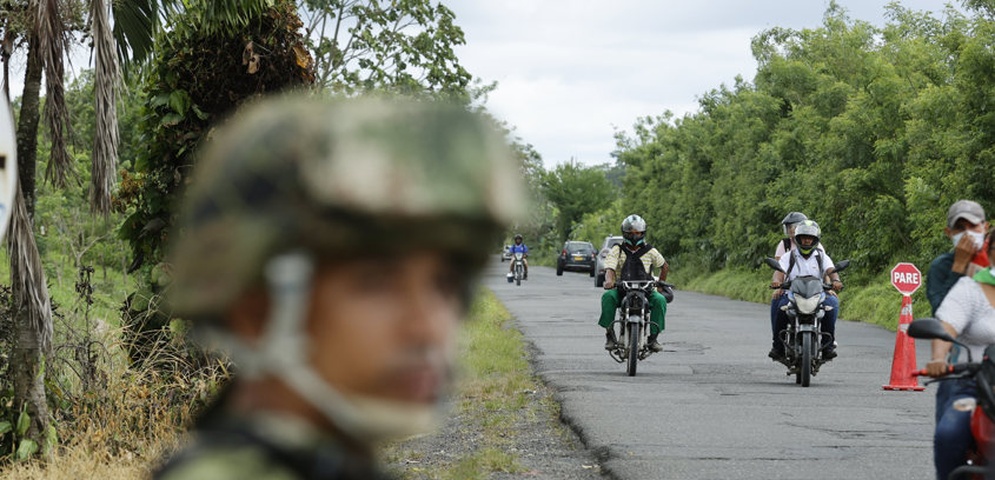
(873, 300)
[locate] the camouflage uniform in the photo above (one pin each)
(266, 448)
(334, 178)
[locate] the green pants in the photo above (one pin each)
(658, 309)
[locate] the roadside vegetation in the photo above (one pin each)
(130, 420)
(875, 301)
(873, 132)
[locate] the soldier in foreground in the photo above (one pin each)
(330, 248)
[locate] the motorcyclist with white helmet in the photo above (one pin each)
(805, 259)
(633, 259)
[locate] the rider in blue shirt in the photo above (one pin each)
(519, 247)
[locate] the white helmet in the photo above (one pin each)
(807, 228)
(634, 229)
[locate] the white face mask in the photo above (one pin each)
(978, 237)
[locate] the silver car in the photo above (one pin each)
(599, 276)
(506, 254)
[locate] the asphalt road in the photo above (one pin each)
(712, 405)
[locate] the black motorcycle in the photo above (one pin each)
(803, 339)
(632, 327)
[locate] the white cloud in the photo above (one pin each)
(571, 72)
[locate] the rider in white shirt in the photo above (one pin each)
(805, 259)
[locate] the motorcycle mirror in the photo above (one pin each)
(842, 265)
(773, 264)
(930, 328)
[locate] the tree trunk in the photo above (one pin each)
(32, 308)
(28, 378)
(27, 126)
(32, 324)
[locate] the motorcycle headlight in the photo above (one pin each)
(807, 306)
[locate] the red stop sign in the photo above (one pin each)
(906, 278)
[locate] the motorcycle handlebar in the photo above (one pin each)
(952, 369)
(787, 285)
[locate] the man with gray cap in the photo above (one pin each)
(966, 228)
(330, 248)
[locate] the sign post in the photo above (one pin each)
(907, 279)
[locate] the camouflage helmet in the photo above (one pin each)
(338, 177)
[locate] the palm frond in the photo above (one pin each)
(225, 15)
(27, 275)
(105, 139)
(52, 33)
(135, 24)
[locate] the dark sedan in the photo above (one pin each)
(577, 256)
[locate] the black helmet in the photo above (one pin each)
(791, 219)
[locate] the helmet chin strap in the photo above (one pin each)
(282, 352)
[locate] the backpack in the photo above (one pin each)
(791, 262)
(633, 268)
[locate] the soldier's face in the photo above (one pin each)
(387, 326)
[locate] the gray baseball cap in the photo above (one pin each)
(966, 209)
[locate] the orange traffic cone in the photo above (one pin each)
(903, 364)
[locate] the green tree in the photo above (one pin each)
(406, 46)
(597, 225)
(575, 190)
(209, 63)
(42, 28)
(872, 132)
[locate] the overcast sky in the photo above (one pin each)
(571, 72)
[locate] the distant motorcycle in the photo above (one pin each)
(632, 327)
(982, 419)
(803, 339)
(518, 267)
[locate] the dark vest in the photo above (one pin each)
(633, 268)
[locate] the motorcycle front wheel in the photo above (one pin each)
(805, 369)
(633, 331)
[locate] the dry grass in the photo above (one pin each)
(126, 420)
